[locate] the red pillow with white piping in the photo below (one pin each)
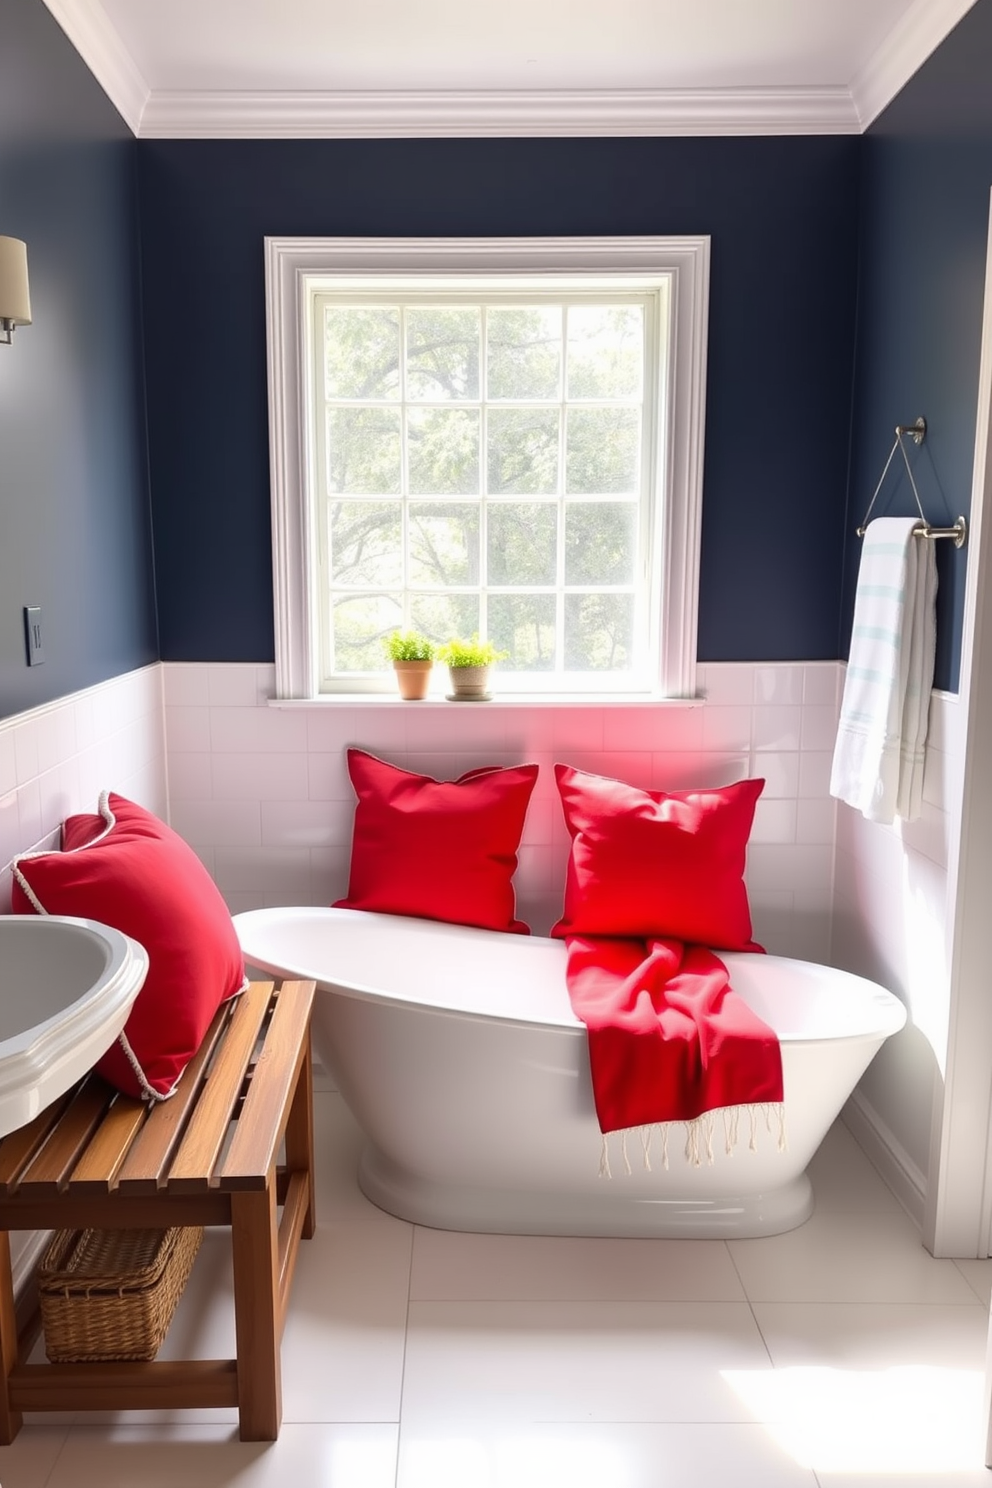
(657, 863)
(127, 869)
(437, 849)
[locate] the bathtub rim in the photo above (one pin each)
(894, 1019)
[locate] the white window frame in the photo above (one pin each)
(295, 267)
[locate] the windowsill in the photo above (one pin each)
(500, 700)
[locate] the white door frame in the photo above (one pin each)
(958, 1217)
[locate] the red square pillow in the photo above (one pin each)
(127, 869)
(440, 850)
(657, 863)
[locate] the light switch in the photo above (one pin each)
(32, 635)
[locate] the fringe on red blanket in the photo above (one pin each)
(699, 1136)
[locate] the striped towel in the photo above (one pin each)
(879, 754)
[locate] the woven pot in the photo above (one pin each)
(413, 678)
(469, 684)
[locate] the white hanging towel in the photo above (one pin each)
(879, 754)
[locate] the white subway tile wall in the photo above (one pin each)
(262, 793)
(892, 879)
(55, 760)
(890, 923)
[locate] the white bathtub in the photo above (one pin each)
(459, 1055)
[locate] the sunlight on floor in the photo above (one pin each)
(914, 1419)
(514, 1463)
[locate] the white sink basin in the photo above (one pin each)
(66, 988)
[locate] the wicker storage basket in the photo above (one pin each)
(110, 1294)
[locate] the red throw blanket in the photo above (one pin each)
(669, 1039)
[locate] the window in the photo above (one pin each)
(492, 436)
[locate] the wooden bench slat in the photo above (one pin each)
(197, 1154)
(144, 1167)
(51, 1169)
(19, 1147)
(96, 1170)
(263, 1117)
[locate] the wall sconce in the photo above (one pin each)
(15, 299)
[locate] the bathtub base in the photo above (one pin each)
(521, 1212)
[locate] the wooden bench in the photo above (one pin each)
(208, 1156)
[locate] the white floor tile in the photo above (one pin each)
(454, 1266)
(416, 1358)
(979, 1275)
(343, 1344)
(601, 1456)
(210, 1456)
(526, 1362)
(858, 1257)
(843, 1179)
(912, 1477)
(30, 1458)
(901, 1421)
(860, 1388)
(874, 1335)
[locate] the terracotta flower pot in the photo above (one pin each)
(413, 678)
(469, 684)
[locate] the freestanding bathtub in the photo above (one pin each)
(460, 1057)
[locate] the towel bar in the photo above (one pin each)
(959, 532)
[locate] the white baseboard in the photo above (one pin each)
(887, 1154)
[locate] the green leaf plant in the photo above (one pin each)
(472, 653)
(409, 645)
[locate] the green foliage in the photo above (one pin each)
(473, 653)
(434, 514)
(605, 351)
(409, 645)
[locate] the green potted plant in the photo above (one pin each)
(468, 665)
(412, 656)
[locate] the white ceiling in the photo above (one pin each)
(183, 68)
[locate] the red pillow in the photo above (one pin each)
(441, 850)
(129, 870)
(657, 863)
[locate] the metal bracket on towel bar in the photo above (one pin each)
(917, 432)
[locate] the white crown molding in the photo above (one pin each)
(902, 53)
(472, 114)
(87, 26)
(371, 115)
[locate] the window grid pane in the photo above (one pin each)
(463, 434)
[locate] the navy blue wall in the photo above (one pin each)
(779, 556)
(74, 512)
(782, 214)
(925, 208)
